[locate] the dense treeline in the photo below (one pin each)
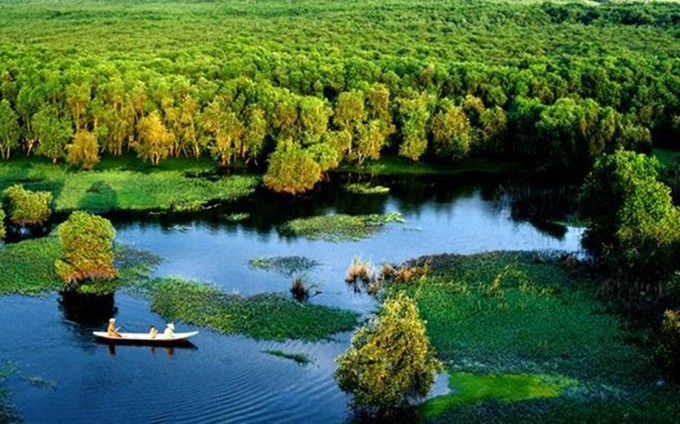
(322, 84)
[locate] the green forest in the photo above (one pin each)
(274, 86)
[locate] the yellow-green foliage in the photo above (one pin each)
(292, 169)
(84, 150)
(88, 248)
(27, 207)
(390, 361)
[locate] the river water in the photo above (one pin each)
(63, 375)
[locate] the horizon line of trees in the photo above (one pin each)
(76, 116)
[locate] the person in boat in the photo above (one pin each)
(111, 330)
(153, 332)
(169, 330)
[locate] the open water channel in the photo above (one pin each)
(63, 375)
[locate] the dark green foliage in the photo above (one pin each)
(634, 226)
(26, 207)
(263, 316)
(668, 352)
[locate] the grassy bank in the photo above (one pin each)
(392, 165)
(127, 184)
(524, 336)
(262, 317)
(27, 267)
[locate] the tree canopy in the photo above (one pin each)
(390, 361)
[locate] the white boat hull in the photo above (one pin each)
(145, 337)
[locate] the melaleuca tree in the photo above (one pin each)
(9, 129)
(292, 169)
(634, 226)
(87, 241)
(155, 141)
(390, 361)
(83, 150)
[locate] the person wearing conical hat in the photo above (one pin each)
(111, 330)
(153, 332)
(169, 330)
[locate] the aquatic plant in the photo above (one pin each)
(264, 316)
(366, 188)
(359, 270)
(286, 265)
(299, 290)
(337, 228)
(300, 358)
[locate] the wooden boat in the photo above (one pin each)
(145, 338)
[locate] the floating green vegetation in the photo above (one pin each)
(366, 188)
(337, 228)
(237, 217)
(513, 319)
(28, 268)
(286, 265)
(300, 358)
(470, 388)
(262, 317)
(123, 189)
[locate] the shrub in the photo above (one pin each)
(27, 207)
(88, 248)
(390, 361)
(292, 169)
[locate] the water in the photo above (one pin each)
(63, 375)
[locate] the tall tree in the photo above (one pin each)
(83, 150)
(52, 133)
(155, 141)
(390, 361)
(9, 129)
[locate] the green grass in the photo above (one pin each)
(286, 265)
(28, 267)
(300, 358)
(262, 317)
(470, 388)
(337, 228)
(523, 334)
(391, 165)
(124, 184)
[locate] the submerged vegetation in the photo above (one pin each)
(300, 358)
(340, 227)
(286, 265)
(263, 316)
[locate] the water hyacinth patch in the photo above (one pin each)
(264, 316)
(340, 227)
